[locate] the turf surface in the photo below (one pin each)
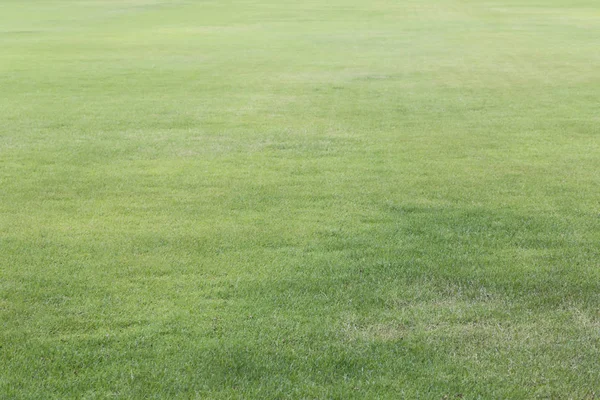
(299, 199)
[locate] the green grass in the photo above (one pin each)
(299, 199)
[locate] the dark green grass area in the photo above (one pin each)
(281, 199)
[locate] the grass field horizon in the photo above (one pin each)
(279, 199)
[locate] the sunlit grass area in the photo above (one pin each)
(310, 200)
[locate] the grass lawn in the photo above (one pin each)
(273, 199)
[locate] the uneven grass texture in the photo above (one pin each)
(270, 199)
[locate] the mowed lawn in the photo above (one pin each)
(273, 199)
